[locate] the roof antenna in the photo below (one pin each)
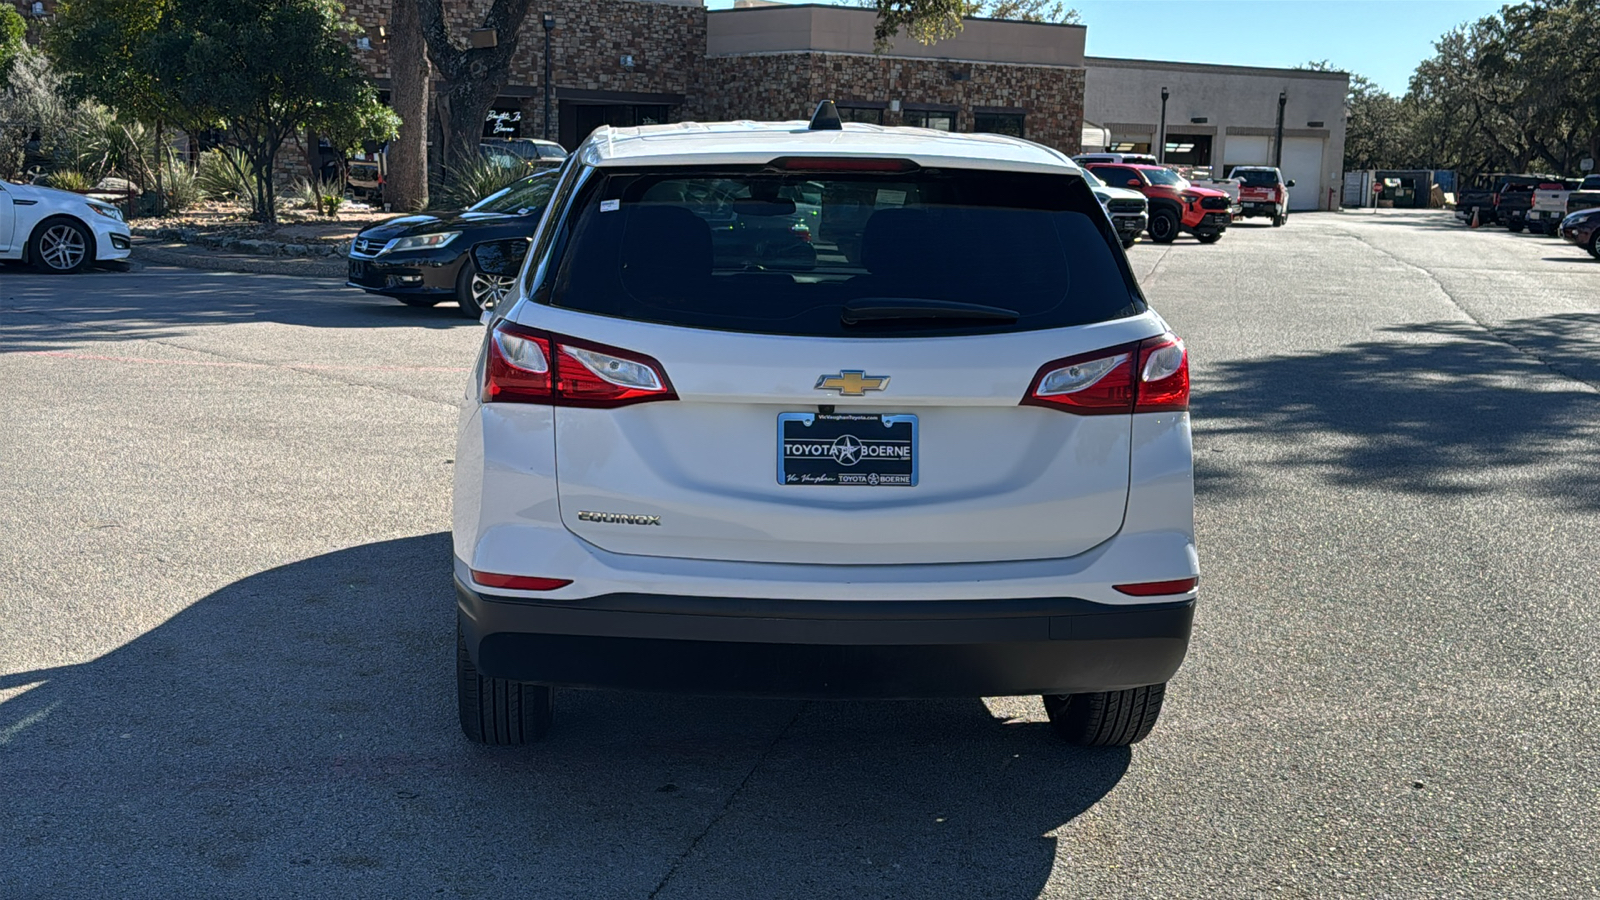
(826, 118)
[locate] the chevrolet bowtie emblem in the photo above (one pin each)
(852, 383)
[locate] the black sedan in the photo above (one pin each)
(427, 259)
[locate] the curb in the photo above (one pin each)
(189, 258)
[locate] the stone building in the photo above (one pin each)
(635, 62)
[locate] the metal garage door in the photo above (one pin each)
(1302, 161)
(1246, 150)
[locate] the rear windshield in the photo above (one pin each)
(1257, 177)
(797, 253)
(1591, 183)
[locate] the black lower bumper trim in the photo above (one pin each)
(826, 649)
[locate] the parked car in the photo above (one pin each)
(1141, 159)
(364, 178)
(682, 469)
(59, 232)
(1583, 228)
(1549, 206)
(425, 260)
(1480, 195)
(1587, 196)
(1515, 198)
(525, 151)
(1263, 192)
(1129, 210)
(1175, 204)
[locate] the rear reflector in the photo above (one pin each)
(1158, 588)
(519, 582)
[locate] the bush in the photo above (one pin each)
(71, 180)
(182, 187)
(478, 178)
(224, 174)
(322, 197)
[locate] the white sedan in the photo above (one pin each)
(58, 231)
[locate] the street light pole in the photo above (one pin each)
(1161, 145)
(549, 25)
(1277, 151)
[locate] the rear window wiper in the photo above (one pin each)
(879, 309)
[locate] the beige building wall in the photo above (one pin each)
(1240, 106)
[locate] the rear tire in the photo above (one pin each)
(1594, 245)
(1163, 226)
(1209, 238)
(1514, 227)
(496, 711)
(1279, 219)
(1105, 718)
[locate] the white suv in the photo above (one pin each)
(825, 412)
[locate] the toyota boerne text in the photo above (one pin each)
(935, 442)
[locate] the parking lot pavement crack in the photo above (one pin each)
(1488, 328)
(308, 369)
(722, 812)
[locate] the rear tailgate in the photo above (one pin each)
(993, 480)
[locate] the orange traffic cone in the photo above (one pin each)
(1474, 217)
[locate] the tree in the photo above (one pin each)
(473, 76)
(12, 31)
(929, 21)
(406, 186)
(226, 61)
(348, 127)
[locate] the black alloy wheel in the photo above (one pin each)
(1163, 226)
(477, 291)
(1594, 244)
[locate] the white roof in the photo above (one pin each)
(747, 143)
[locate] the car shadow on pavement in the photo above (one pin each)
(295, 732)
(1439, 408)
(50, 311)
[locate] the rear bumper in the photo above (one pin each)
(826, 648)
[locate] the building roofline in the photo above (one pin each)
(864, 9)
(1113, 62)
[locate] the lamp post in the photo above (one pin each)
(549, 26)
(1161, 145)
(1277, 149)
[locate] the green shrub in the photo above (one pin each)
(182, 187)
(478, 178)
(70, 180)
(224, 174)
(322, 197)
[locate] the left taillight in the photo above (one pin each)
(525, 365)
(1149, 376)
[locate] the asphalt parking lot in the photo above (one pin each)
(226, 618)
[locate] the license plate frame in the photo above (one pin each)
(848, 449)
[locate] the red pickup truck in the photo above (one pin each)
(1175, 204)
(1263, 192)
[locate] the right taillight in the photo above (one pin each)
(1149, 376)
(525, 365)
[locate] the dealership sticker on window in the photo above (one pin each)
(610, 205)
(887, 197)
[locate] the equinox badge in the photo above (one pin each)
(585, 515)
(852, 383)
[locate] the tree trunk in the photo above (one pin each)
(473, 77)
(406, 183)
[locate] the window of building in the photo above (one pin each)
(937, 119)
(1188, 150)
(998, 123)
(872, 115)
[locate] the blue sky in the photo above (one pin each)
(1381, 39)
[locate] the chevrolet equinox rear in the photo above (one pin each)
(828, 412)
